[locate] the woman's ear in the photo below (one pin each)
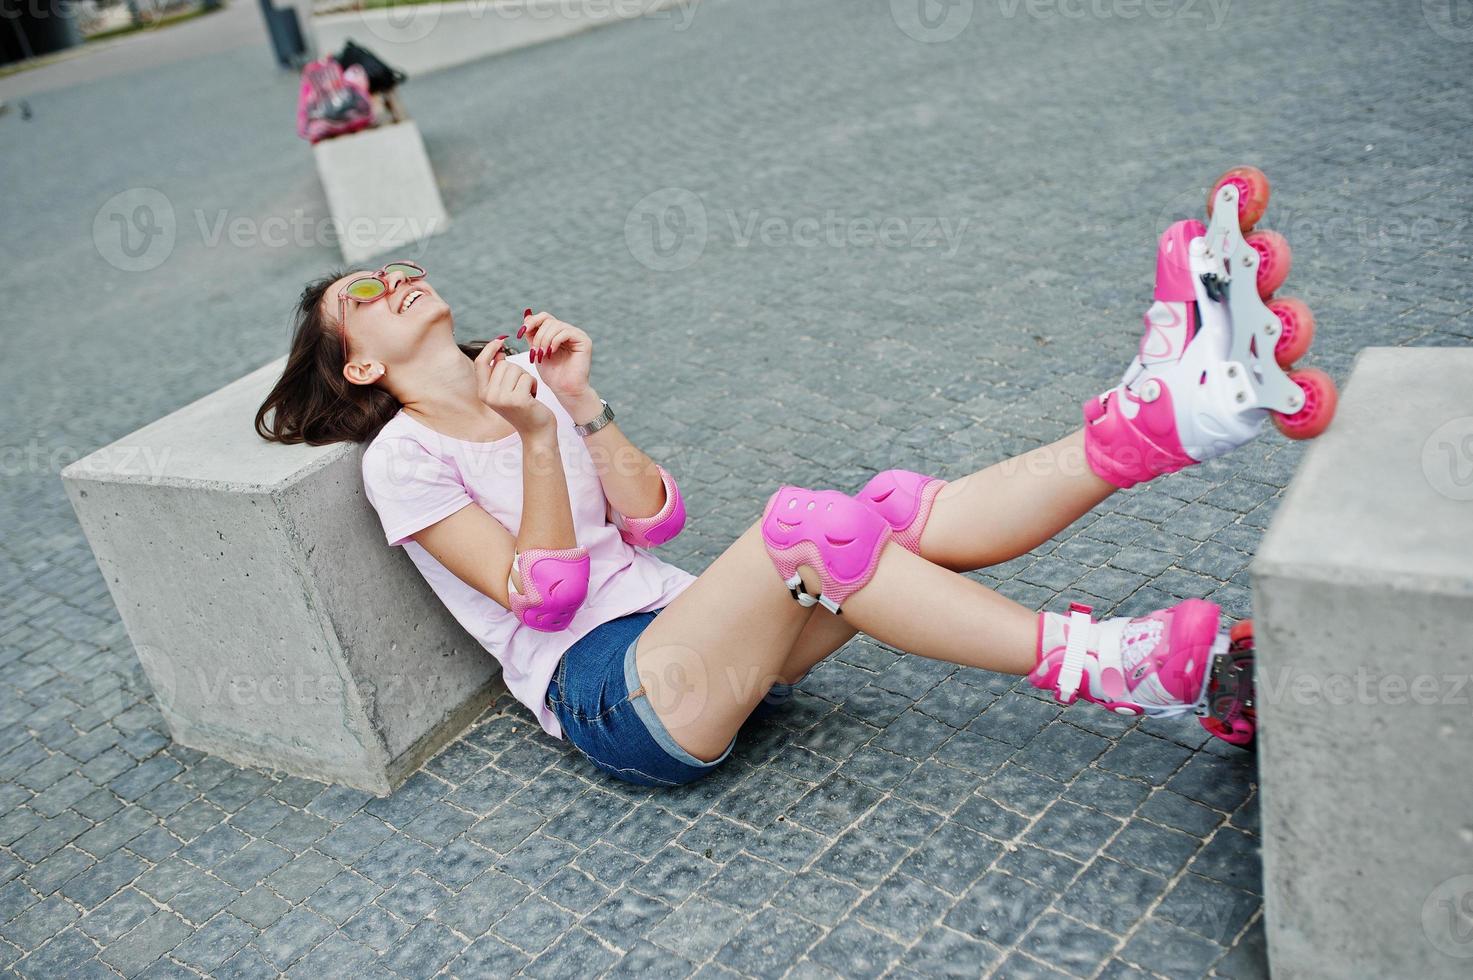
(364, 372)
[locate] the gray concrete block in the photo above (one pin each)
(381, 190)
(275, 626)
(1363, 591)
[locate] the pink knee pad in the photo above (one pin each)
(830, 532)
(904, 500)
(650, 532)
(554, 585)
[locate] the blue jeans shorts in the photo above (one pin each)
(597, 697)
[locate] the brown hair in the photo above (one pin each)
(313, 402)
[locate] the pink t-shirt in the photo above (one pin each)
(414, 476)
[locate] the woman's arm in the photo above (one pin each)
(631, 480)
(638, 489)
(542, 573)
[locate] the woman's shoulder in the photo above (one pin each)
(390, 436)
(400, 449)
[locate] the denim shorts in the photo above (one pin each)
(618, 730)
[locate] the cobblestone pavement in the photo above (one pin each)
(900, 816)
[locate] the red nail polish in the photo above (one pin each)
(520, 332)
(503, 336)
(527, 312)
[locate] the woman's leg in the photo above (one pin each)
(1008, 509)
(992, 516)
(713, 653)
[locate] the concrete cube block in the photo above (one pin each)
(1363, 595)
(380, 190)
(274, 624)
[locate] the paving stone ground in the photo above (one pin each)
(901, 817)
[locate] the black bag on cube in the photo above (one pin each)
(381, 78)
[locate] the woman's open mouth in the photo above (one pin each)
(410, 300)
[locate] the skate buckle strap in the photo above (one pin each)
(807, 599)
(1076, 648)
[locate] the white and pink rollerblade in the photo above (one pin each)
(1213, 358)
(1171, 662)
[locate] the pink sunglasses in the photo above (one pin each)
(367, 289)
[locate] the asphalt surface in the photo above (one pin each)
(811, 241)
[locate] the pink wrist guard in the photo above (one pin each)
(554, 585)
(651, 532)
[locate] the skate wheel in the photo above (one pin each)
(1296, 329)
(1274, 260)
(1241, 734)
(1232, 714)
(1320, 398)
(1253, 194)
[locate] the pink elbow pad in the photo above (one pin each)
(554, 584)
(650, 532)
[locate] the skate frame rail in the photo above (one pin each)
(1255, 328)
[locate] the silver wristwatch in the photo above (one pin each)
(602, 419)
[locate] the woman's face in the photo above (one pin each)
(391, 328)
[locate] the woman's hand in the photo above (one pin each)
(563, 355)
(512, 392)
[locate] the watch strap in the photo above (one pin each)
(602, 419)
